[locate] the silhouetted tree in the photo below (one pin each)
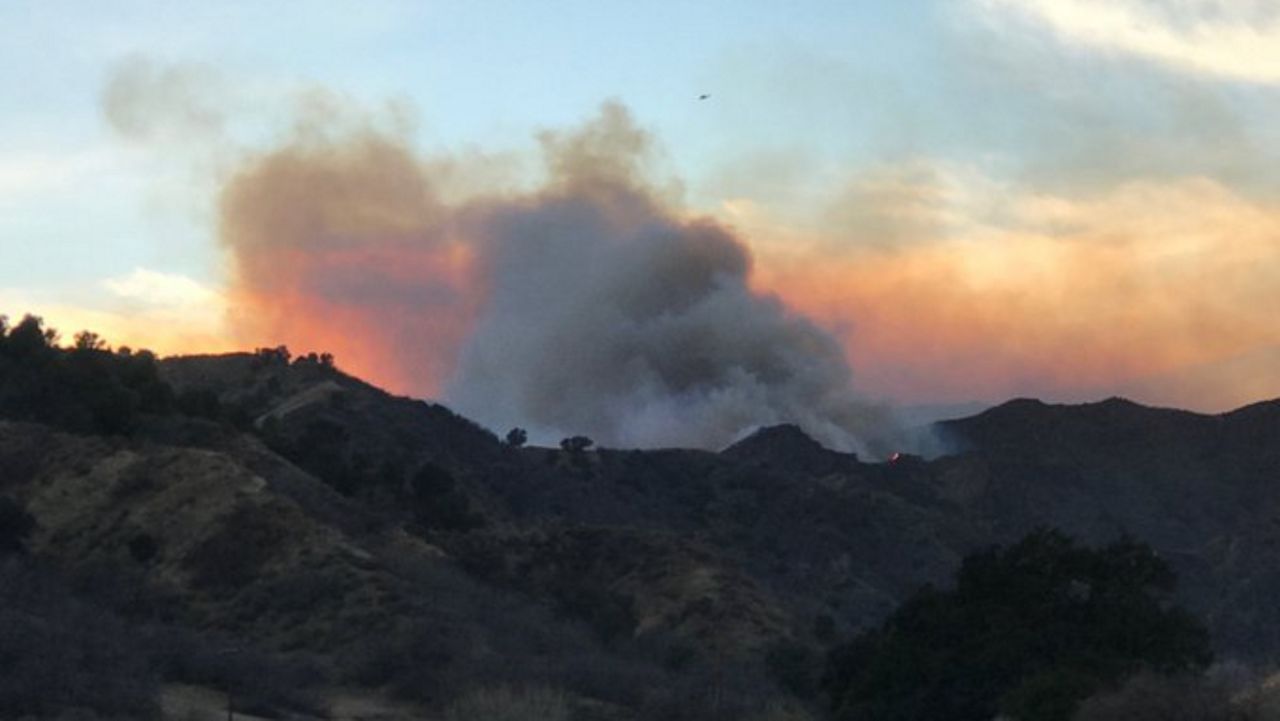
(1028, 631)
(279, 355)
(517, 437)
(29, 337)
(87, 340)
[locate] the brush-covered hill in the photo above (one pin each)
(1203, 490)
(270, 523)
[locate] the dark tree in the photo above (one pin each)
(1028, 631)
(431, 481)
(143, 548)
(87, 340)
(16, 526)
(278, 356)
(29, 337)
(517, 437)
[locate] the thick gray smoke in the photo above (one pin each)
(607, 314)
(590, 305)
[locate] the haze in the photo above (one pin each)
(531, 212)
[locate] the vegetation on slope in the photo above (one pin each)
(332, 534)
(86, 388)
(1027, 632)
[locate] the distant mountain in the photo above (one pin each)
(1237, 379)
(390, 543)
(1202, 489)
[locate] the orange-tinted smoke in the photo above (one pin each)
(587, 304)
(944, 290)
(1161, 291)
(339, 245)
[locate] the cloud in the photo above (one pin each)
(29, 174)
(164, 312)
(163, 291)
(1233, 39)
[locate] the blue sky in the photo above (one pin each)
(996, 118)
(487, 74)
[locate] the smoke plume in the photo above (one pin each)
(147, 101)
(340, 244)
(588, 304)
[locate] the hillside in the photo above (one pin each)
(1200, 488)
(278, 511)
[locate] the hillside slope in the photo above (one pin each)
(373, 541)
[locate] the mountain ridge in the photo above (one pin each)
(310, 515)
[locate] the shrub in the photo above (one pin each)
(438, 503)
(780, 712)
(143, 548)
(16, 526)
(794, 666)
(83, 389)
(575, 445)
(1028, 631)
(57, 653)
(1149, 697)
(506, 703)
(261, 684)
(233, 555)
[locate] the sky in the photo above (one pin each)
(974, 199)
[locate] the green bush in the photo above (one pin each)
(1028, 631)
